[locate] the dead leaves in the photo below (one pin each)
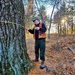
(58, 57)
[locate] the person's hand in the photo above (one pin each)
(27, 28)
(37, 28)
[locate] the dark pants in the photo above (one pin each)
(40, 49)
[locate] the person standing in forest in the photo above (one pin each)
(39, 34)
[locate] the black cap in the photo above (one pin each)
(35, 19)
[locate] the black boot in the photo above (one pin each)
(42, 66)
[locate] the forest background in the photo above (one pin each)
(17, 45)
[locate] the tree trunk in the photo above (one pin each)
(51, 20)
(56, 2)
(14, 59)
(41, 17)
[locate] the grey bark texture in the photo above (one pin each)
(14, 59)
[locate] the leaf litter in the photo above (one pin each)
(60, 60)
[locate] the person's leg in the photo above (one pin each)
(36, 50)
(42, 49)
(42, 52)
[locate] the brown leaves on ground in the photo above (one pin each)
(59, 59)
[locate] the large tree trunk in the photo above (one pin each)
(14, 59)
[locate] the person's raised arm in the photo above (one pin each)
(30, 30)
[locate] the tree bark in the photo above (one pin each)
(51, 19)
(14, 59)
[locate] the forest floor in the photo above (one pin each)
(60, 56)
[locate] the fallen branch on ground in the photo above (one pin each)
(71, 49)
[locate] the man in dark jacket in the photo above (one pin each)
(39, 35)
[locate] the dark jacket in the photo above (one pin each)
(43, 29)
